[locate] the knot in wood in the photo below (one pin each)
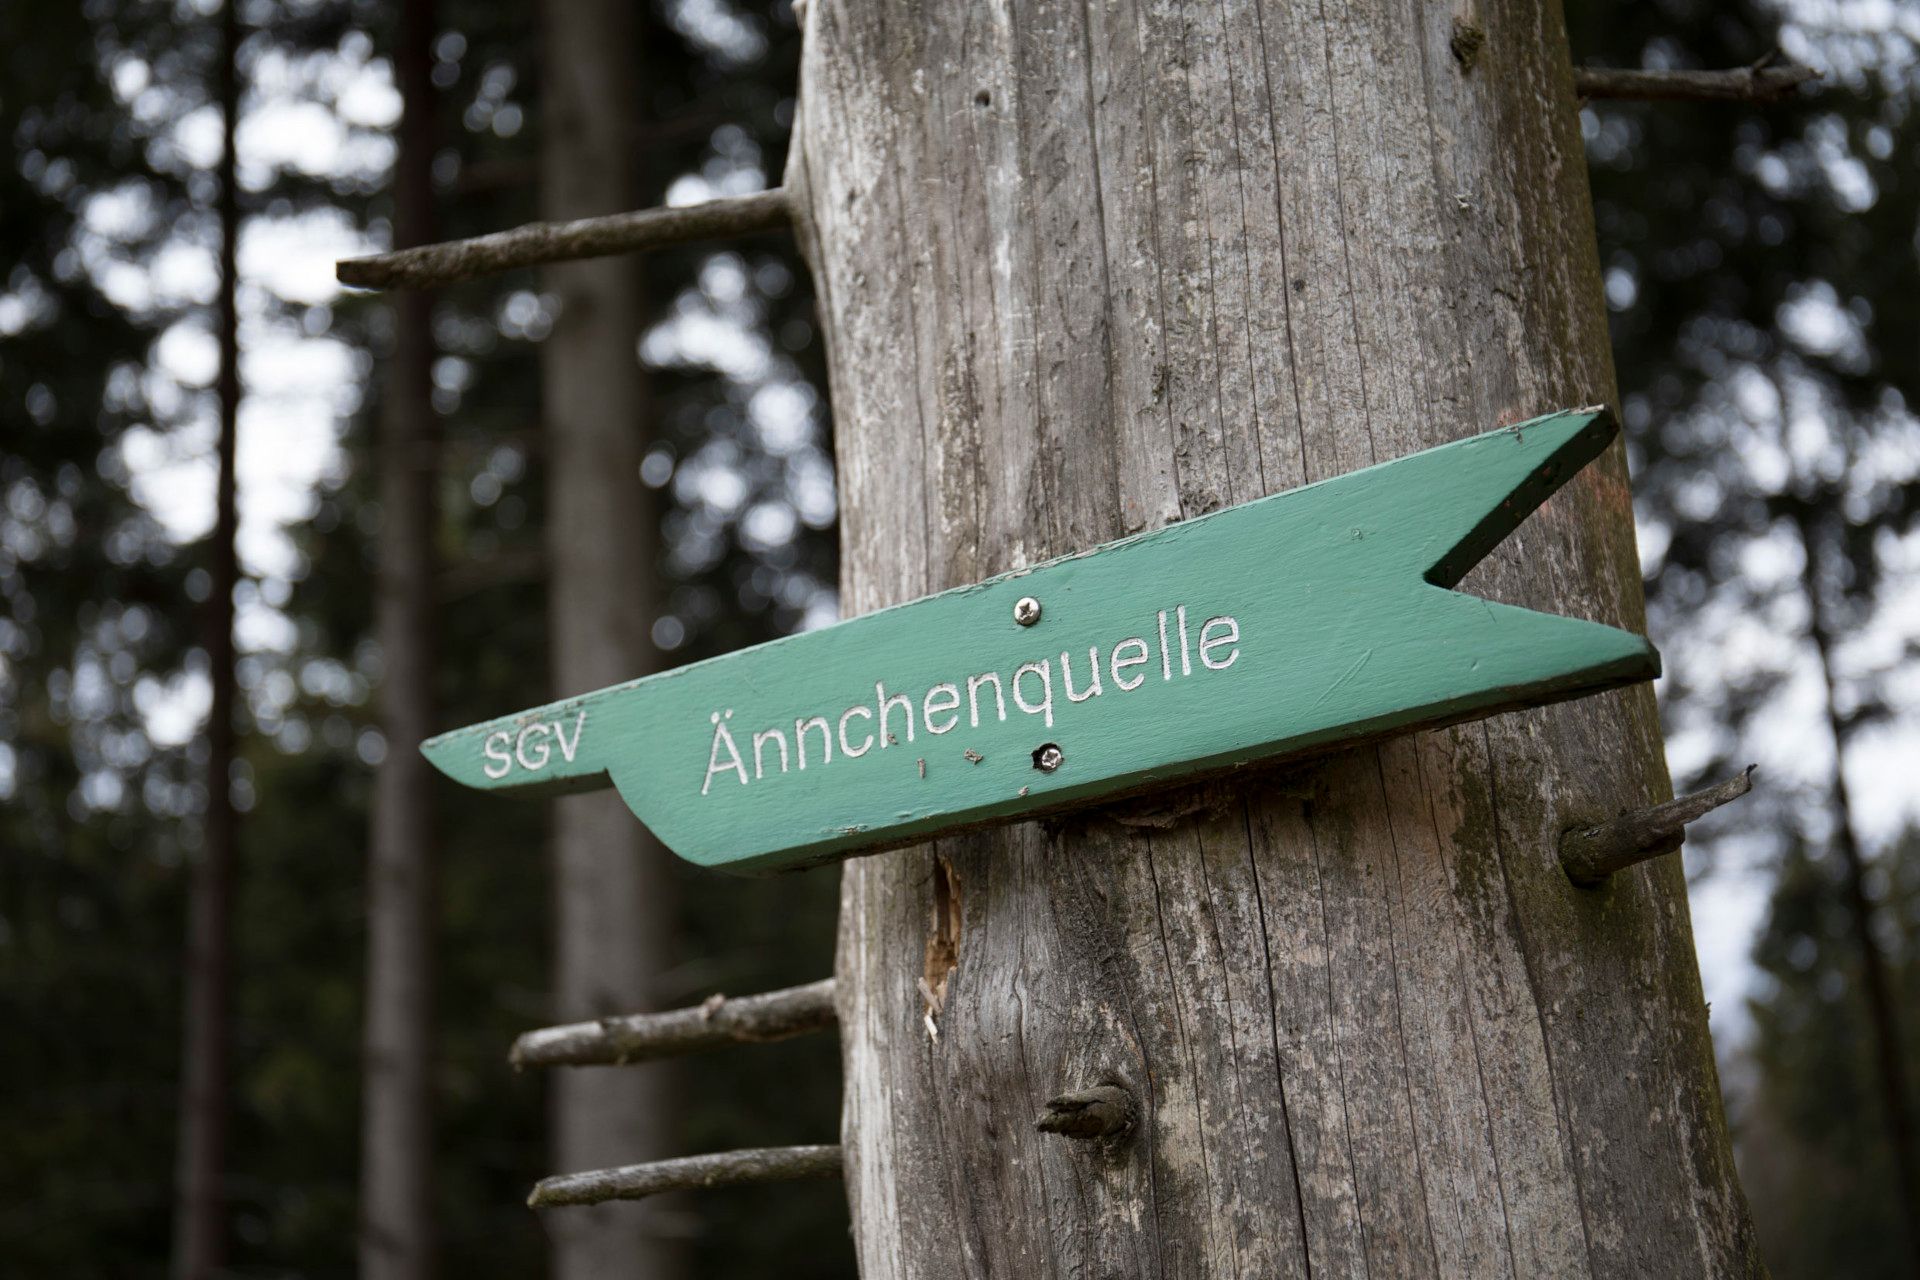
(1105, 1111)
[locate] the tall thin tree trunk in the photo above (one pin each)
(1087, 270)
(613, 907)
(1889, 1054)
(396, 1185)
(200, 1209)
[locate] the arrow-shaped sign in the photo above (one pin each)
(1277, 628)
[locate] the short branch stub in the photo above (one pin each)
(689, 1173)
(1591, 854)
(1768, 80)
(429, 265)
(642, 1037)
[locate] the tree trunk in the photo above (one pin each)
(1876, 985)
(200, 1201)
(396, 1185)
(1087, 270)
(612, 888)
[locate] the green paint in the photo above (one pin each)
(1277, 628)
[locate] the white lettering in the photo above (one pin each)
(938, 709)
(721, 735)
(1116, 662)
(1209, 641)
(495, 749)
(1066, 675)
(760, 741)
(568, 748)
(866, 745)
(1043, 669)
(949, 706)
(887, 704)
(800, 728)
(520, 747)
(973, 696)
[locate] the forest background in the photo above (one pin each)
(1762, 264)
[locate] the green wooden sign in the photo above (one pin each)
(1278, 628)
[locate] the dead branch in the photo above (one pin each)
(1591, 854)
(541, 242)
(690, 1173)
(1765, 81)
(639, 1037)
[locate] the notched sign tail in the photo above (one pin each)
(1465, 511)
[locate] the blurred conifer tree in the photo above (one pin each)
(1760, 263)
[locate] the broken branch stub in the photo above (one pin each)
(689, 1173)
(1763, 82)
(642, 1037)
(1592, 853)
(543, 242)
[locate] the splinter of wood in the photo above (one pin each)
(1591, 854)
(690, 1173)
(641, 1037)
(542, 242)
(1104, 1111)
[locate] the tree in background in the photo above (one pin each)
(98, 807)
(397, 1213)
(1816, 1158)
(1760, 265)
(746, 493)
(200, 1192)
(614, 913)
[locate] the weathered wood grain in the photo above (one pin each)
(1085, 270)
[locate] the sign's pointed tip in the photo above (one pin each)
(1542, 656)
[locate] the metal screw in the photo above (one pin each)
(1026, 611)
(1048, 758)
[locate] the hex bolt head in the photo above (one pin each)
(1048, 758)
(1026, 611)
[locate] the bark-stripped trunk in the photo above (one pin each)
(200, 1201)
(1085, 270)
(612, 891)
(396, 1141)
